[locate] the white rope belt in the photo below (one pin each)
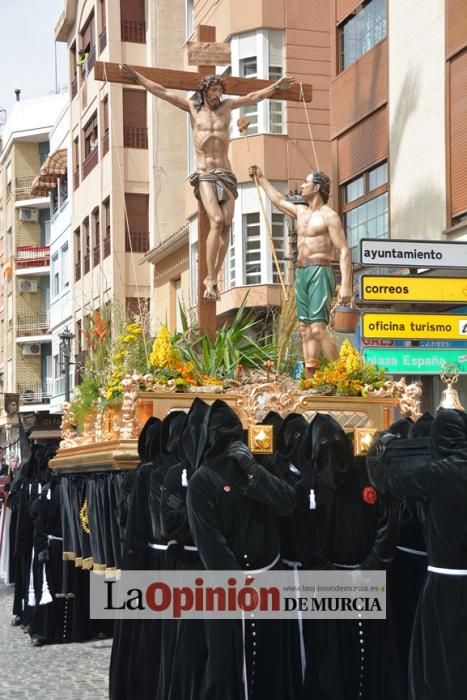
(448, 572)
(418, 552)
(264, 569)
(346, 566)
(190, 548)
(296, 565)
(52, 537)
(157, 546)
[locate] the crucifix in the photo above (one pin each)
(214, 183)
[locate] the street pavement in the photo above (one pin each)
(50, 672)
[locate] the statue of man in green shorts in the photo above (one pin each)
(320, 234)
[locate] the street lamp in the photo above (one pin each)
(65, 337)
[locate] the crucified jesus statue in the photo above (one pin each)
(213, 181)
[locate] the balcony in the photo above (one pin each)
(105, 143)
(107, 244)
(76, 179)
(33, 325)
(86, 261)
(28, 256)
(135, 137)
(133, 30)
(74, 87)
(77, 271)
(35, 393)
(23, 189)
(96, 255)
(102, 40)
(91, 60)
(90, 162)
(137, 242)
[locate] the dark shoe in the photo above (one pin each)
(16, 621)
(37, 642)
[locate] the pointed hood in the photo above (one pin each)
(449, 434)
(331, 455)
(192, 433)
(422, 427)
(221, 427)
(143, 437)
(174, 433)
(400, 428)
(290, 437)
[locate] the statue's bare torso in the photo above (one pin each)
(211, 130)
(313, 240)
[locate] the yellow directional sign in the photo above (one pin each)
(413, 288)
(414, 326)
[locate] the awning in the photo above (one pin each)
(55, 164)
(42, 184)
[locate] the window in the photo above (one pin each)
(44, 150)
(96, 251)
(105, 120)
(360, 32)
(230, 281)
(77, 237)
(252, 248)
(189, 18)
(87, 245)
(137, 223)
(106, 223)
(90, 136)
(8, 179)
(133, 25)
(135, 132)
(365, 207)
(260, 55)
(279, 237)
(55, 276)
(65, 266)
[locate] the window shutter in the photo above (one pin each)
(132, 9)
(362, 146)
(247, 46)
(345, 7)
(134, 108)
(458, 133)
(276, 47)
(88, 32)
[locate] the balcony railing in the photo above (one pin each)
(36, 324)
(77, 271)
(135, 137)
(23, 186)
(96, 255)
(74, 87)
(90, 162)
(137, 242)
(134, 30)
(105, 143)
(86, 261)
(91, 60)
(76, 179)
(35, 393)
(102, 39)
(32, 256)
(106, 243)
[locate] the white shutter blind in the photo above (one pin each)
(247, 45)
(276, 47)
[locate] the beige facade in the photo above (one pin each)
(25, 338)
(124, 200)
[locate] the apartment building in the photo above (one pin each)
(25, 259)
(127, 152)
(399, 124)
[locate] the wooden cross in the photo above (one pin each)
(189, 80)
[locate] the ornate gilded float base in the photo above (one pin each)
(252, 404)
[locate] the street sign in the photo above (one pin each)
(415, 360)
(412, 253)
(414, 326)
(412, 289)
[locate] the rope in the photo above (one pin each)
(122, 183)
(302, 95)
(268, 226)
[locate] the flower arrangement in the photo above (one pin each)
(169, 368)
(348, 375)
(124, 358)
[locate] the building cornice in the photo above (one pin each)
(170, 245)
(66, 21)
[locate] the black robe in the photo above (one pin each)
(437, 665)
(347, 659)
(233, 519)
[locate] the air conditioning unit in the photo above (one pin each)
(28, 214)
(29, 286)
(32, 349)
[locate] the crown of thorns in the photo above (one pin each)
(209, 81)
